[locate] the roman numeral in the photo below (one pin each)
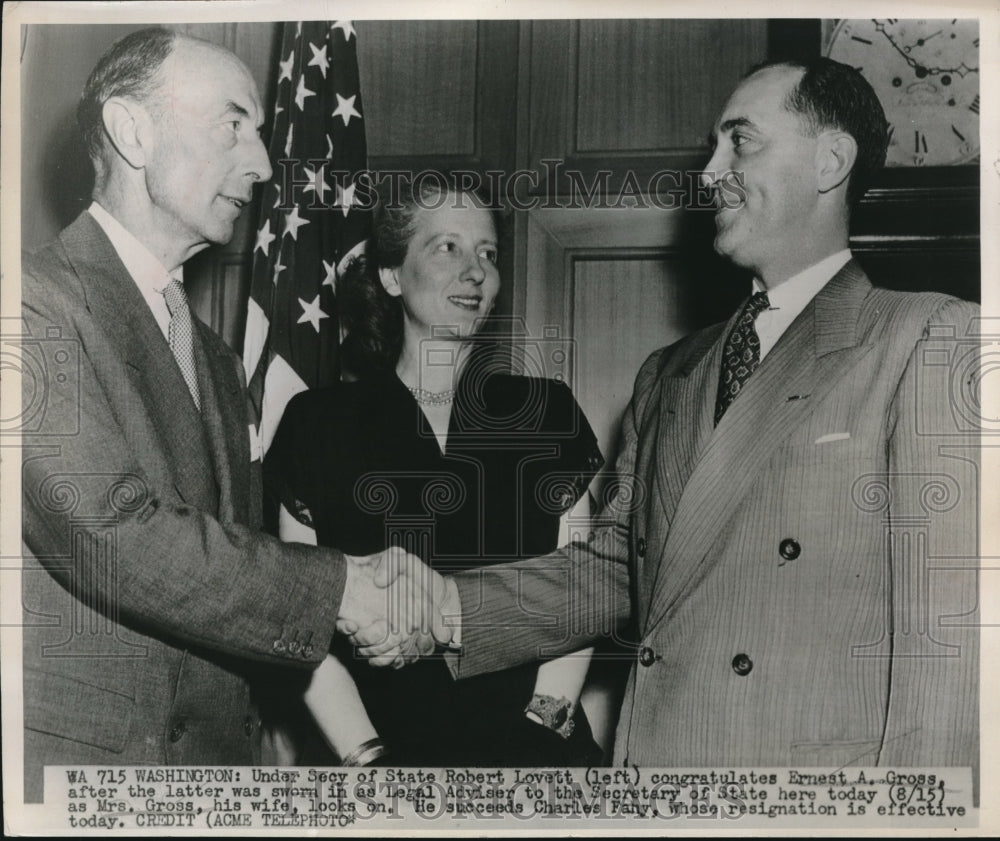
(919, 140)
(862, 40)
(891, 20)
(958, 134)
(974, 108)
(976, 43)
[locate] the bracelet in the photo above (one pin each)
(365, 753)
(556, 714)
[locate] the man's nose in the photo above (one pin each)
(259, 167)
(714, 169)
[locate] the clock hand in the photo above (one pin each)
(922, 41)
(918, 68)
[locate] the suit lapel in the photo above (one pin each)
(669, 447)
(226, 424)
(816, 351)
(119, 309)
(686, 418)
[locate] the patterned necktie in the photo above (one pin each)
(741, 355)
(179, 334)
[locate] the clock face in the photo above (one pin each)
(926, 75)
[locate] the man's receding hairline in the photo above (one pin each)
(210, 47)
(787, 102)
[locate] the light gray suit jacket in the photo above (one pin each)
(148, 589)
(803, 577)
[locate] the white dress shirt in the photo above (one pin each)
(788, 299)
(149, 274)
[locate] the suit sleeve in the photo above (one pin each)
(172, 570)
(933, 712)
(561, 602)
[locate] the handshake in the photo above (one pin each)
(395, 608)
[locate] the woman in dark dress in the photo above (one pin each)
(434, 448)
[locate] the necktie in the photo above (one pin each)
(179, 335)
(741, 354)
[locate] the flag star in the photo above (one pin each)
(319, 59)
(346, 199)
(317, 183)
(331, 274)
(278, 269)
(288, 142)
(302, 92)
(345, 27)
(286, 68)
(265, 238)
(345, 108)
(311, 313)
(293, 222)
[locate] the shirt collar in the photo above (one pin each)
(147, 271)
(801, 288)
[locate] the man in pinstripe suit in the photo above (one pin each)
(796, 533)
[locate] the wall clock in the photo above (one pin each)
(926, 74)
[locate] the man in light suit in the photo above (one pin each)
(148, 589)
(795, 537)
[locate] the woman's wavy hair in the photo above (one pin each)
(372, 318)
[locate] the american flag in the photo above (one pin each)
(309, 227)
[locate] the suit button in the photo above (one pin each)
(294, 646)
(646, 656)
(789, 549)
(248, 726)
(742, 665)
(278, 647)
(640, 547)
(177, 731)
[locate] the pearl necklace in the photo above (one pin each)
(432, 398)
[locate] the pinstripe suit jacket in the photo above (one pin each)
(849, 444)
(147, 587)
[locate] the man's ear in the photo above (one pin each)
(128, 127)
(835, 159)
(390, 282)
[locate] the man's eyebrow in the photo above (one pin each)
(232, 107)
(736, 122)
(727, 126)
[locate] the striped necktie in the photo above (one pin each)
(741, 354)
(179, 334)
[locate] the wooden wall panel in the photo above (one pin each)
(424, 75)
(623, 310)
(615, 285)
(643, 85)
(626, 95)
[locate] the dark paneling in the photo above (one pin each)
(424, 74)
(630, 96)
(792, 39)
(639, 86)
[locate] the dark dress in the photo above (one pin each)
(359, 463)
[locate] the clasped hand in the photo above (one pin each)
(395, 608)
